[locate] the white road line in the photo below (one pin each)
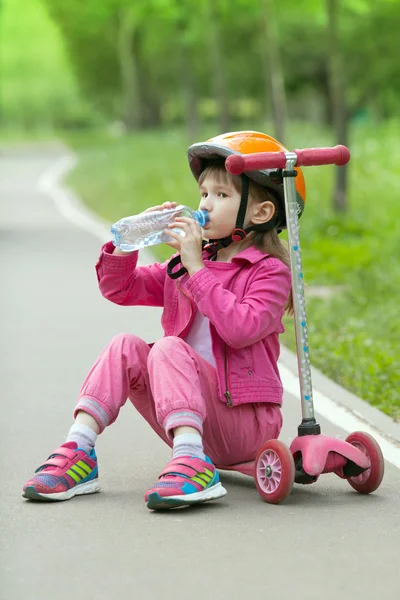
(48, 183)
(71, 207)
(73, 210)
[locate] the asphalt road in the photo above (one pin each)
(326, 541)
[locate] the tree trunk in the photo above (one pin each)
(338, 103)
(129, 80)
(188, 81)
(219, 81)
(191, 99)
(148, 98)
(274, 74)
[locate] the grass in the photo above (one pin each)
(354, 335)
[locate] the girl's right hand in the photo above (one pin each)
(161, 207)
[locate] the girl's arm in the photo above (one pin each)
(121, 281)
(240, 323)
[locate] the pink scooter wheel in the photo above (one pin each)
(370, 479)
(274, 471)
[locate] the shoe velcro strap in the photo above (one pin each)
(187, 462)
(179, 470)
(56, 461)
(63, 451)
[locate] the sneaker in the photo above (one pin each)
(69, 471)
(184, 481)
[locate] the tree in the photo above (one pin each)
(103, 39)
(127, 55)
(188, 77)
(338, 101)
(362, 39)
(274, 76)
(152, 60)
(217, 65)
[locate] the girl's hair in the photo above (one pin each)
(266, 241)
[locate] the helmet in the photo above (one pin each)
(249, 142)
(216, 150)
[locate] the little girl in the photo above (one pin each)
(210, 388)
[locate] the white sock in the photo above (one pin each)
(188, 444)
(83, 436)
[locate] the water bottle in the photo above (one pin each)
(147, 228)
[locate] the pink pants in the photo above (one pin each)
(171, 385)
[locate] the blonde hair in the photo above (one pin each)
(265, 241)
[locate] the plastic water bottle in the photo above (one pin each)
(147, 228)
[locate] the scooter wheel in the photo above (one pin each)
(274, 471)
(370, 479)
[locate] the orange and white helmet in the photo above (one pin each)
(200, 155)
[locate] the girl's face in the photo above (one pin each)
(221, 198)
(222, 202)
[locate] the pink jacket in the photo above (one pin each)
(243, 299)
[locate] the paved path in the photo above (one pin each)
(326, 542)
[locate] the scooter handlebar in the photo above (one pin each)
(237, 163)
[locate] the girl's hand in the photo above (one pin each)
(161, 207)
(189, 246)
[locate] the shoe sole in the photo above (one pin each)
(157, 502)
(91, 487)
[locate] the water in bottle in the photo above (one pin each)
(147, 228)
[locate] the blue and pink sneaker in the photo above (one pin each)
(69, 471)
(184, 481)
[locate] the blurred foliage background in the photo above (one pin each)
(129, 84)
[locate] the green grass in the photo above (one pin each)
(355, 334)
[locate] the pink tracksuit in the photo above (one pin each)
(235, 405)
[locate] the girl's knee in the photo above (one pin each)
(127, 346)
(126, 339)
(167, 346)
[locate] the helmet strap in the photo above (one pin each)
(243, 205)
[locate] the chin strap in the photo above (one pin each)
(172, 264)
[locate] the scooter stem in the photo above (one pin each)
(309, 426)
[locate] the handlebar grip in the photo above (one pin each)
(338, 155)
(237, 163)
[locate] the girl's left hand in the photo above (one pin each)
(189, 246)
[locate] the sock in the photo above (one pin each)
(83, 436)
(188, 444)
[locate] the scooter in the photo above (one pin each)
(276, 467)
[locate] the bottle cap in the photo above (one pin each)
(202, 217)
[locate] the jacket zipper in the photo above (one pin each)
(191, 311)
(227, 394)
